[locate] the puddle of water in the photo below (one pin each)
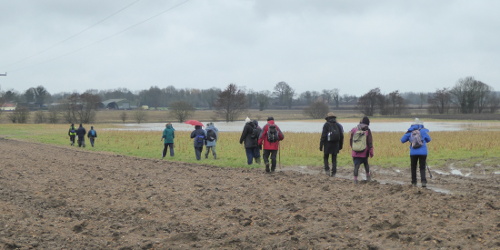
(309, 126)
(439, 190)
(441, 172)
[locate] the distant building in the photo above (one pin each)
(115, 104)
(8, 106)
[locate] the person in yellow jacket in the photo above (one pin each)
(72, 134)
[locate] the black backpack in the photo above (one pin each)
(211, 135)
(272, 134)
(255, 132)
(333, 133)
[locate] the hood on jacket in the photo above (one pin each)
(362, 126)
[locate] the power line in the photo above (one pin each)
(73, 36)
(106, 38)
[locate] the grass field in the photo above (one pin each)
(298, 149)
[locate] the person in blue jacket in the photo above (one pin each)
(210, 143)
(418, 154)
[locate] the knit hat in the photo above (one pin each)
(247, 119)
(418, 122)
(270, 118)
(365, 120)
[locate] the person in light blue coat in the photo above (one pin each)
(418, 155)
(210, 143)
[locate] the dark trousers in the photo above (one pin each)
(273, 154)
(252, 153)
(166, 146)
(357, 163)
(81, 141)
(92, 139)
(72, 139)
(422, 162)
(197, 152)
(326, 157)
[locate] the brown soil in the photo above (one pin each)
(55, 197)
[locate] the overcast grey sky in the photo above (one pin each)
(350, 45)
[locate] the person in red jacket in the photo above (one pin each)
(270, 140)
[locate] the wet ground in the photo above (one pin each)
(60, 197)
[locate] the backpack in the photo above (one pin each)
(211, 135)
(359, 141)
(255, 132)
(333, 133)
(200, 138)
(92, 133)
(272, 134)
(416, 139)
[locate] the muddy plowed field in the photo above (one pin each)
(54, 197)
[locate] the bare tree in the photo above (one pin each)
(40, 117)
(285, 94)
(369, 101)
(231, 103)
(470, 95)
(20, 115)
(81, 108)
(181, 110)
(440, 101)
(393, 104)
(316, 110)
(140, 115)
(123, 116)
(263, 99)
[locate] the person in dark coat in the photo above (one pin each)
(250, 138)
(199, 135)
(331, 142)
(168, 140)
(92, 134)
(270, 148)
(361, 157)
(418, 155)
(81, 132)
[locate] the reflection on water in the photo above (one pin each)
(316, 126)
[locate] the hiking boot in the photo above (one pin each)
(424, 184)
(368, 176)
(414, 184)
(355, 180)
(267, 168)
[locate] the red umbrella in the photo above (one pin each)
(194, 122)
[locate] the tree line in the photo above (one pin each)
(466, 96)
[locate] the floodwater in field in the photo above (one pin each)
(316, 126)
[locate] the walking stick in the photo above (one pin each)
(428, 169)
(279, 155)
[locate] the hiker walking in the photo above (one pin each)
(199, 135)
(331, 142)
(361, 142)
(250, 138)
(92, 135)
(168, 140)
(418, 136)
(72, 134)
(211, 140)
(80, 132)
(270, 139)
